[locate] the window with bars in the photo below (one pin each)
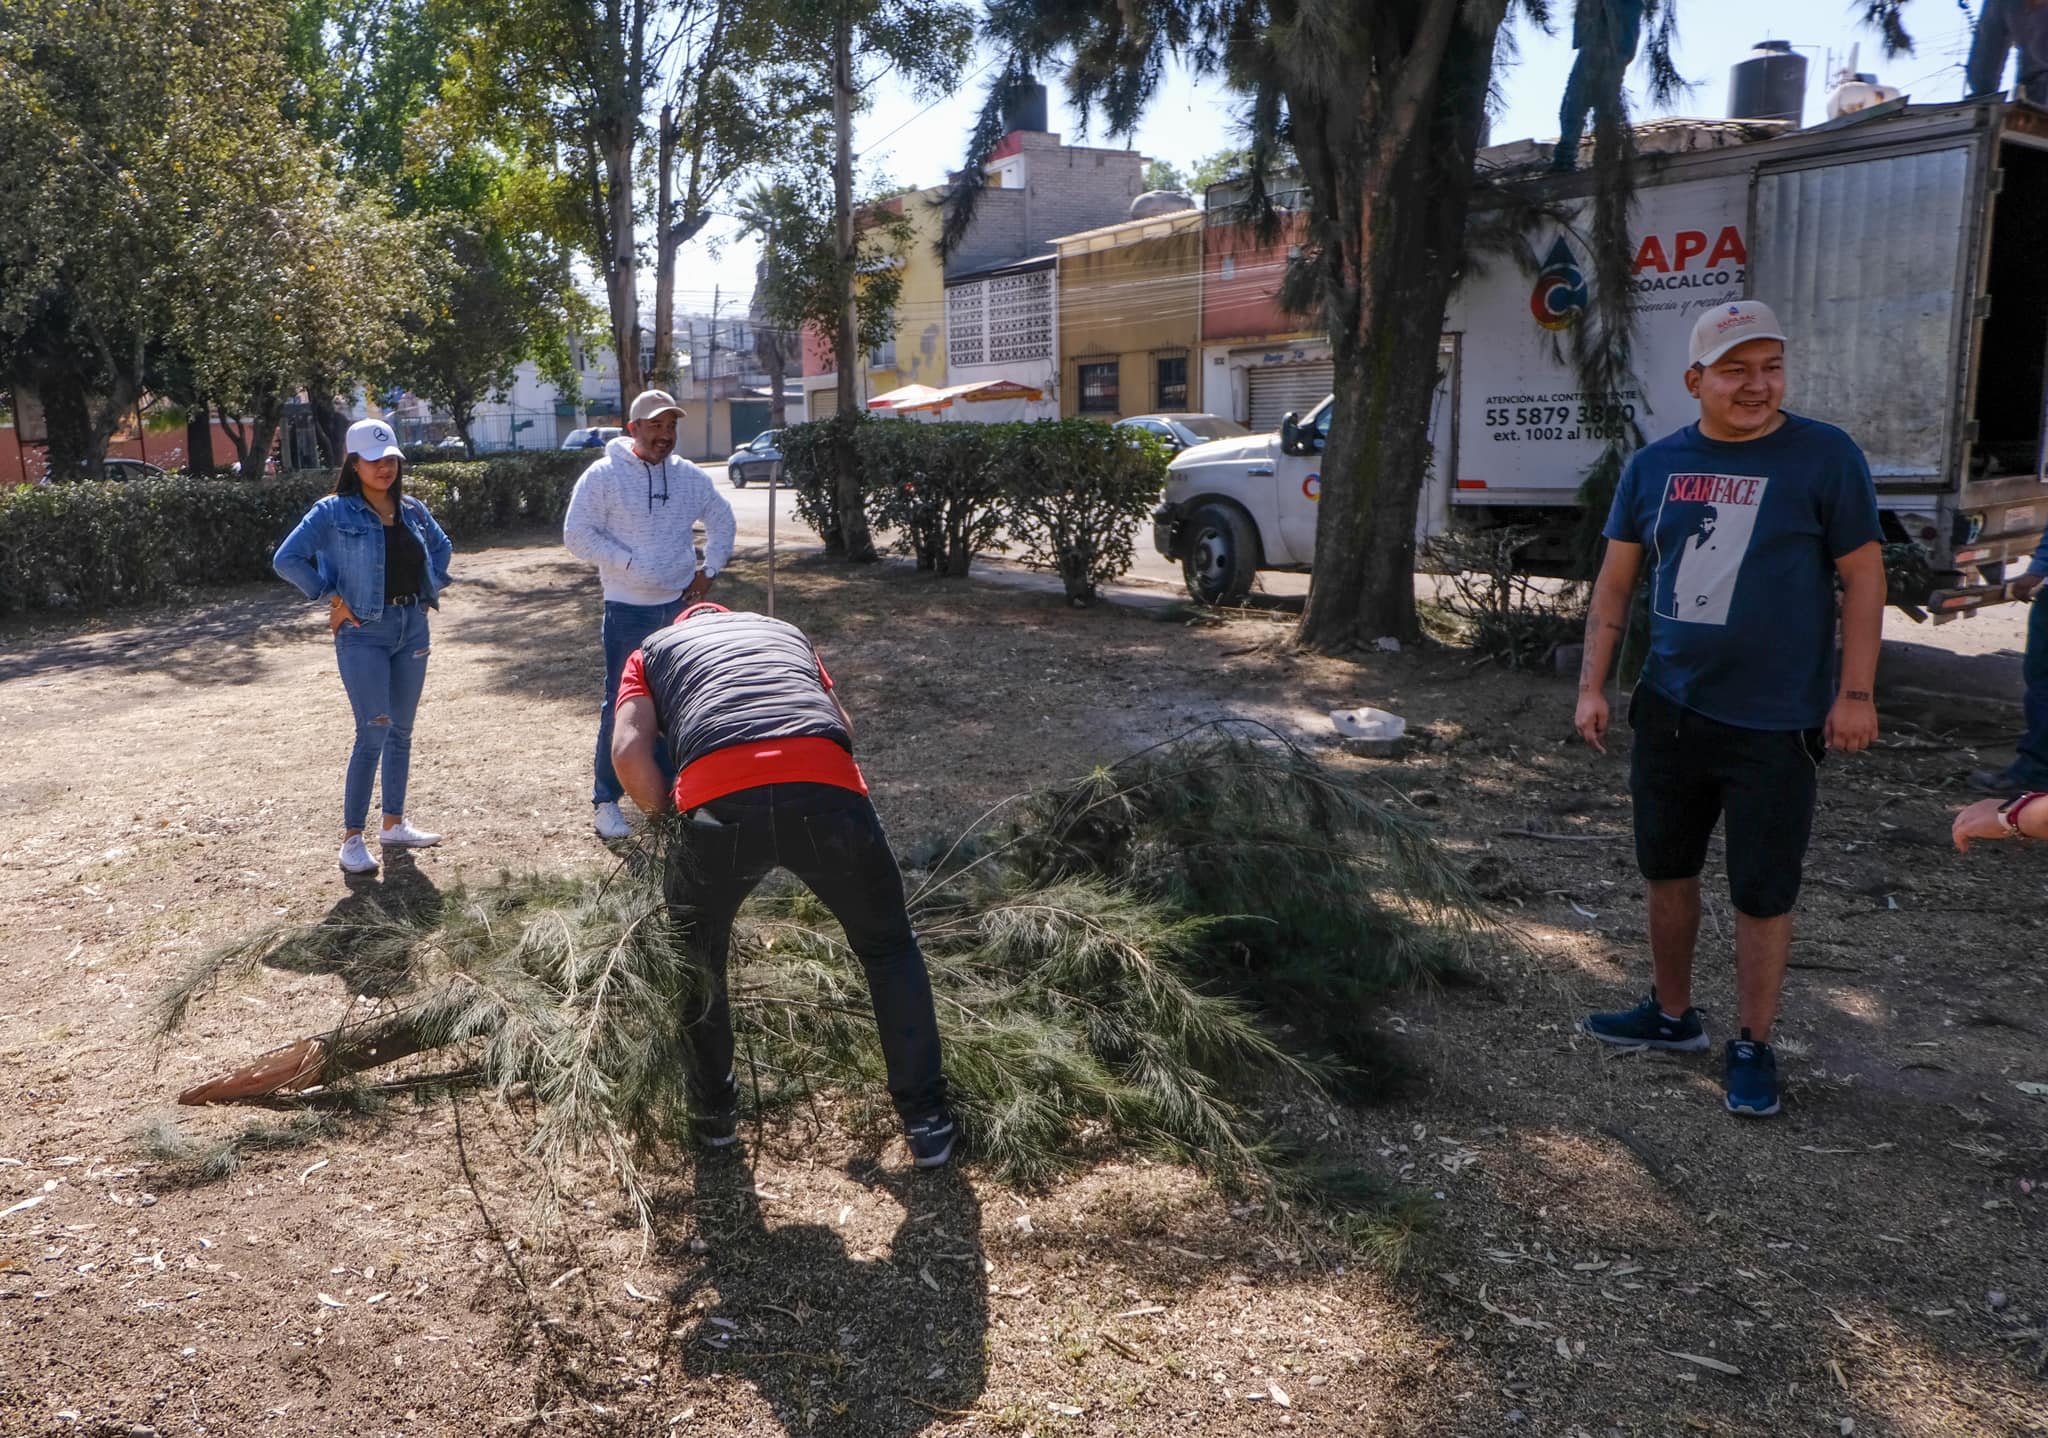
(1099, 388)
(1173, 383)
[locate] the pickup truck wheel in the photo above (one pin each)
(1220, 555)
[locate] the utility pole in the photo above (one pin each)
(710, 372)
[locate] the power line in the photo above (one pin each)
(875, 144)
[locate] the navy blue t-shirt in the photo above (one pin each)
(1740, 540)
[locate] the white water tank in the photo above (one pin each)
(1858, 92)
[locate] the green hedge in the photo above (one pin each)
(91, 546)
(1066, 493)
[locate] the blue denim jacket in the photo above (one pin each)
(338, 548)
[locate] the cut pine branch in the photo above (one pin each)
(313, 1062)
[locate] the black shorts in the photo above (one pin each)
(1687, 770)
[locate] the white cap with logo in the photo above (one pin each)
(652, 403)
(1723, 327)
(372, 439)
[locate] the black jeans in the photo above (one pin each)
(831, 839)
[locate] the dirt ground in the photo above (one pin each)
(1606, 1252)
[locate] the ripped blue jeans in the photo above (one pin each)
(383, 668)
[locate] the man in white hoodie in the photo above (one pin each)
(632, 515)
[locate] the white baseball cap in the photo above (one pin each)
(1723, 327)
(372, 439)
(651, 403)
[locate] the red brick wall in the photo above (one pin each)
(165, 448)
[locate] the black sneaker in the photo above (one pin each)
(1752, 1078)
(1994, 781)
(1646, 1027)
(717, 1124)
(931, 1139)
(717, 1130)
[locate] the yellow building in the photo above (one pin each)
(916, 354)
(1130, 317)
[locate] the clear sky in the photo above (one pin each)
(912, 140)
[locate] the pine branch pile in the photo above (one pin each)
(1139, 958)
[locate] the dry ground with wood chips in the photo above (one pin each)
(1604, 1252)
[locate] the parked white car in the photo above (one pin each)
(1236, 506)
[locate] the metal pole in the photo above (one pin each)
(774, 474)
(710, 372)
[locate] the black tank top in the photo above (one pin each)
(405, 563)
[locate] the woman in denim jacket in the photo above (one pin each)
(380, 562)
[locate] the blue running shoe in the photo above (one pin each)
(931, 1139)
(1752, 1078)
(1646, 1027)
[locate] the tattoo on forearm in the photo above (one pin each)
(1861, 695)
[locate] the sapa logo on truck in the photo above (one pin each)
(1668, 260)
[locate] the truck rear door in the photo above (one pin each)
(1867, 262)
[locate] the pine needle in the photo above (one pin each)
(1148, 954)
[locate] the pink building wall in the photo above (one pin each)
(1241, 282)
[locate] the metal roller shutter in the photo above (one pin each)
(1281, 388)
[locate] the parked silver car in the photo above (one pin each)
(1183, 431)
(595, 437)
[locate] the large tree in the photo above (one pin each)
(153, 195)
(851, 43)
(1382, 106)
(386, 84)
(654, 109)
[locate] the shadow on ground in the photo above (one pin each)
(885, 1345)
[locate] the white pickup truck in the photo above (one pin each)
(1236, 506)
(1899, 246)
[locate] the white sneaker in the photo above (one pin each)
(610, 823)
(355, 856)
(404, 836)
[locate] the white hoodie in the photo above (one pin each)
(632, 520)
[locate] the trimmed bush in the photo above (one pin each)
(1072, 490)
(935, 487)
(78, 545)
(807, 469)
(1067, 491)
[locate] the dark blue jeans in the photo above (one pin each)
(383, 667)
(2030, 766)
(831, 839)
(625, 629)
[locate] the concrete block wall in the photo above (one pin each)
(1068, 188)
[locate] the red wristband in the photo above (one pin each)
(2013, 808)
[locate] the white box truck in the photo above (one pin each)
(1904, 248)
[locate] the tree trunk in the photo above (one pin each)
(198, 440)
(463, 409)
(1405, 255)
(266, 415)
(858, 544)
(330, 425)
(622, 274)
(238, 436)
(663, 371)
(778, 407)
(67, 431)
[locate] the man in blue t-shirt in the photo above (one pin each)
(1746, 519)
